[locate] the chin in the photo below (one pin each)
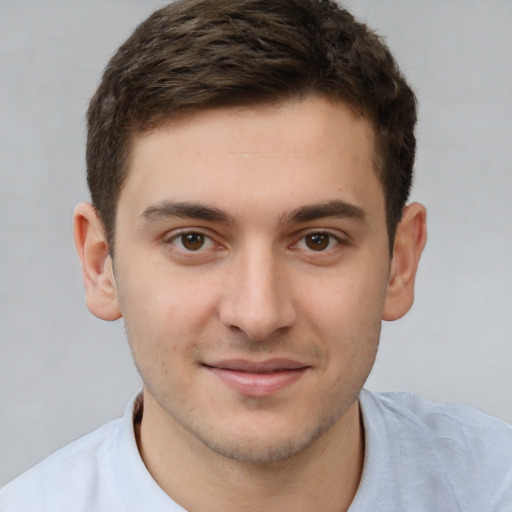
(259, 452)
(263, 446)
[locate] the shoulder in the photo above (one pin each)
(436, 420)
(468, 451)
(68, 478)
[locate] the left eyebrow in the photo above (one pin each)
(334, 208)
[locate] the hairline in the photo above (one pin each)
(159, 122)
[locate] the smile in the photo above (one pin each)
(258, 379)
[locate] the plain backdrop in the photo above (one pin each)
(63, 372)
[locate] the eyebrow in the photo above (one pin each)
(333, 208)
(167, 209)
(307, 213)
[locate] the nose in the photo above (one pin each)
(257, 299)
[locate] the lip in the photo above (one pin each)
(258, 378)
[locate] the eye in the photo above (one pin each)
(317, 241)
(192, 241)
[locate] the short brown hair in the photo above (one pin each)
(199, 54)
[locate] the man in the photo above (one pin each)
(249, 164)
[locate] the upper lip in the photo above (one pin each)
(266, 366)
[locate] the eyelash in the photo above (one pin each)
(203, 240)
(317, 237)
(177, 240)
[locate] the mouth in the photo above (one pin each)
(258, 378)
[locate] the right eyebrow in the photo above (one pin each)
(186, 210)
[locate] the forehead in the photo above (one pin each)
(293, 152)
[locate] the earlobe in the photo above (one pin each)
(97, 270)
(410, 239)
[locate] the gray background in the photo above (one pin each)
(63, 372)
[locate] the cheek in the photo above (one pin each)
(165, 314)
(345, 312)
(347, 299)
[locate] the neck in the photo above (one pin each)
(324, 476)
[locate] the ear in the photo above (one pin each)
(410, 239)
(97, 270)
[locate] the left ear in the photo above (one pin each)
(410, 239)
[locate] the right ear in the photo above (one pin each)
(97, 270)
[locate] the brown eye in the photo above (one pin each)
(192, 241)
(317, 241)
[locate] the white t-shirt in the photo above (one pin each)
(420, 457)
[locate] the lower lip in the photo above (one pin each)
(258, 384)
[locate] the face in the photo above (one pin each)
(251, 270)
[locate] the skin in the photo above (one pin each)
(255, 334)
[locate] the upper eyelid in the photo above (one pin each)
(337, 238)
(175, 233)
(295, 238)
(335, 233)
(169, 241)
